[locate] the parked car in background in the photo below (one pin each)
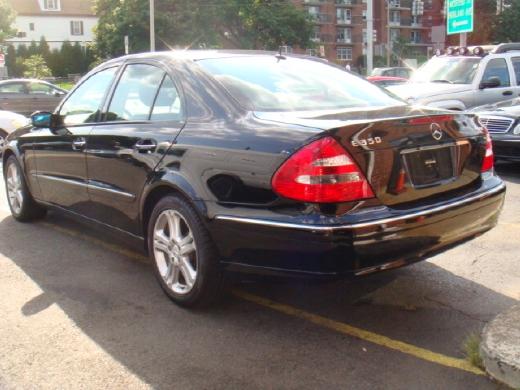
(503, 122)
(25, 96)
(465, 78)
(385, 81)
(9, 122)
(254, 161)
(402, 72)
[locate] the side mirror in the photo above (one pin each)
(492, 82)
(42, 119)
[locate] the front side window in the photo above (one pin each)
(497, 67)
(84, 103)
(135, 93)
(51, 5)
(265, 83)
(43, 89)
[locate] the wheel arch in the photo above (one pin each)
(169, 184)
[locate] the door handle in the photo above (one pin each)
(507, 93)
(146, 145)
(79, 143)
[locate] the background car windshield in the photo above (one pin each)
(454, 70)
(293, 84)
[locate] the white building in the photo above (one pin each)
(56, 20)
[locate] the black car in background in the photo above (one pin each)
(25, 96)
(503, 122)
(256, 162)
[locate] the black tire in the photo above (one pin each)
(208, 283)
(3, 136)
(29, 210)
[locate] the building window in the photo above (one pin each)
(21, 34)
(395, 34)
(364, 14)
(416, 37)
(316, 34)
(312, 52)
(343, 16)
(344, 53)
(76, 27)
(51, 5)
(395, 17)
(344, 35)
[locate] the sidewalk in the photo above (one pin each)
(500, 348)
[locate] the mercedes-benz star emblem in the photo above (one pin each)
(436, 131)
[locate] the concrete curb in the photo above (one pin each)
(500, 347)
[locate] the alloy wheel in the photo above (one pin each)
(14, 188)
(175, 252)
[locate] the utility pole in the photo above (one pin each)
(152, 25)
(370, 36)
(388, 38)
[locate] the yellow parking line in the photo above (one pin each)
(337, 326)
(362, 334)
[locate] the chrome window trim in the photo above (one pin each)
(375, 223)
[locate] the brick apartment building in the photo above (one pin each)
(340, 27)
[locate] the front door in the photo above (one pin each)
(142, 120)
(60, 153)
(497, 67)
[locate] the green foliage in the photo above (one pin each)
(245, 24)
(35, 67)
(507, 28)
(70, 59)
(7, 16)
(472, 350)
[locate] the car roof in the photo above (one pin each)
(197, 55)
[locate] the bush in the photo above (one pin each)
(35, 67)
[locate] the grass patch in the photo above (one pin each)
(472, 350)
(65, 85)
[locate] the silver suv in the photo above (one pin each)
(458, 82)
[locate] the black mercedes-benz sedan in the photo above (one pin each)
(502, 120)
(254, 161)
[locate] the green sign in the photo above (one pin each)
(460, 16)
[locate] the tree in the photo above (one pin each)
(7, 16)
(44, 49)
(507, 28)
(36, 67)
(33, 49)
(245, 24)
(21, 52)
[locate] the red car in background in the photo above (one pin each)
(384, 81)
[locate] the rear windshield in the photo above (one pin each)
(267, 83)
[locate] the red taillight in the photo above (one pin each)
(321, 172)
(427, 120)
(488, 161)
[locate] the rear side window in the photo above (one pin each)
(135, 93)
(167, 106)
(497, 67)
(12, 88)
(84, 103)
(516, 67)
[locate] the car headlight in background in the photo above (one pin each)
(516, 130)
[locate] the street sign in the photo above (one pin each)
(460, 16)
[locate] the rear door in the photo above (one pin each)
(60, 153)
(142, 119)
(14, 97)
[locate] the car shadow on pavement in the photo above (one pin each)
(509, 171)
(117, 303)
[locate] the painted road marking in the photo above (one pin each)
(384, 341)
(362, 334)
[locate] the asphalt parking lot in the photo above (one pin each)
(78, 310)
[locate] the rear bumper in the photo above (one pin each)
(356, 243)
